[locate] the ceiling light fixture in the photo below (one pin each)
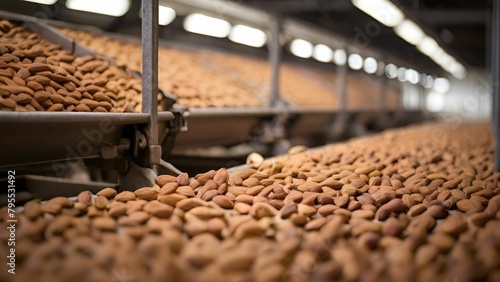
(323, 53)
(301, 48)
(205, 25)
(166, 15)
(43, 2)
(355, 61)
(339, 57)
(383, 11)
(249, 36)
(114, 8)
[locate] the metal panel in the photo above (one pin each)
(216, 126)
(34, 137)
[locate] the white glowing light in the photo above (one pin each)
(427, 46)
(409, 31)
(383, 11)
(435, 101)
(391, 71)
(402, 74)
(370, 65)
(301, 48)
(441, 85)
(339, 57)
(43, 2)
(166, 15)
(114, 8)
(323, 53)
(248, 36)
(412, 76)
(205, 25)
(355, 62)
(429, 82)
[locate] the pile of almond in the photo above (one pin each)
(182, 73)
(214, 79)
(414, 204)
(37, 75)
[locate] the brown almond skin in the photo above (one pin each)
(125, 196)
(85, 197)
(454, 224)
(101, 202)
(107, 193)
(223, 202)
(395, 205)
(32, 209)
(183, 179)
(146, 193)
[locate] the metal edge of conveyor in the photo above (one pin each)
(495, 78)
(73, 117)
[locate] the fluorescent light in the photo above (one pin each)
(435, 101)
(409, 31)
(205, 25)
(370, 65)
(323, 53)
(412, 76)
(458, 70)
(339, 57)
(114, 8)
(166, 15)
(429, 82)
(441, 85)
(427, 46)
(383, 11)
(301, 48)
(402, 74)
(43, 2)
(355, 62)
(391, 71)
(248, 36)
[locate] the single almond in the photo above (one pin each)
(146, 193)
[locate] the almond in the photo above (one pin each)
(101, 202)
(158, 209)
(125, 196)
(85, 197)
(183, 179)
(164, 179)
(146, 193)
(223, 202)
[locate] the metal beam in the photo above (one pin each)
(300, 6)
(495, 78)
(451, 17)
(150, 76)
(342, 85)
(275, 50)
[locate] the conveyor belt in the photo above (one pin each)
(34, 137)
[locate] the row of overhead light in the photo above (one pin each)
(215, 27)
(195, 23)
(322, 53)
(390, 15)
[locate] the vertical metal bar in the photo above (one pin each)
(382, 93)
(495, 77)
(150, 74)
(275, 59)
(423, 98)
(342, 86)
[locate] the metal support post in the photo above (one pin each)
(275, 60)
(342, 86)
(150, 76)
(382, 93)
(495, 77)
